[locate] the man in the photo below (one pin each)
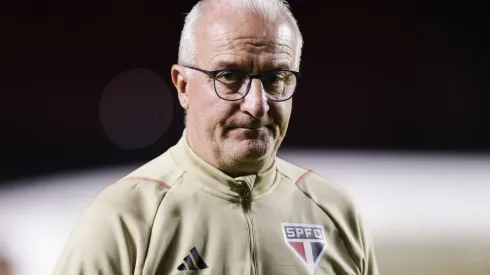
(220, 202)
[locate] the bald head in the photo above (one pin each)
(270, 12)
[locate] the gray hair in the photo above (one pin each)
(270, 9)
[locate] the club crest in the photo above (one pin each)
(307, 241)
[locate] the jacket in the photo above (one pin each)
(177, 214)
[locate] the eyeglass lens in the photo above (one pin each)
(233, 84)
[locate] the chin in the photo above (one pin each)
(252, 149)
(249, 145)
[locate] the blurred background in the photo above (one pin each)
(393, 105)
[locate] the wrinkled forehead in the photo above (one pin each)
(241, 36)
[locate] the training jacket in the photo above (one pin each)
(179, 215)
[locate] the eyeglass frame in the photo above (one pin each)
(214, 73)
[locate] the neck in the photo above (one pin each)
(244, 169)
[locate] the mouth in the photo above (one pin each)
(250, 132)
(254, 128)
(250, 128)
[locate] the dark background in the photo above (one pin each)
(380, 76)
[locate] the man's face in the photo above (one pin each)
(251, 129)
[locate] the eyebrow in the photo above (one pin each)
(271, 65)
(279, 65)
(224, 64)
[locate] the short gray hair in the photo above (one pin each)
(270, 9)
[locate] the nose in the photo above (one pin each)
(255, 103)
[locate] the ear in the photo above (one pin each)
(180, 82)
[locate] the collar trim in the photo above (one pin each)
(214, 181)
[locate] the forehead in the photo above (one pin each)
(246, 39)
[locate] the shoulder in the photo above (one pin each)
(317, 187)
(162, 172)
(151, 181)
(139, 193)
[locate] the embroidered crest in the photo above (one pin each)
(307, 241)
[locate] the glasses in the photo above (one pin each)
(233, 84)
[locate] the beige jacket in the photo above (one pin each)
(179, 215)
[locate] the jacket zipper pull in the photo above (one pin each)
(246, 194)
(243, 190)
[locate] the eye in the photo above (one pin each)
(231, 76)
(273, 78)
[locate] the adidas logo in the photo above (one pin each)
(193, 260)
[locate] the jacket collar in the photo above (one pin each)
(214, 181)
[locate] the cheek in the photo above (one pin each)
(200, 98)
(281, 114)
(207, 107)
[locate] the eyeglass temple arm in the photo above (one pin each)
(201, 70)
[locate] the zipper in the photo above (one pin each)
(246, 204)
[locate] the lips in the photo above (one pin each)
(251, 126)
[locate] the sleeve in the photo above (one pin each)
(360, 236)
(369, 264)
(112, 234)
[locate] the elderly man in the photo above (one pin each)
(220, 202)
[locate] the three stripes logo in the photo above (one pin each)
(193, 261)
(307, 241)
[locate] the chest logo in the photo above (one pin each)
(307, 241)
